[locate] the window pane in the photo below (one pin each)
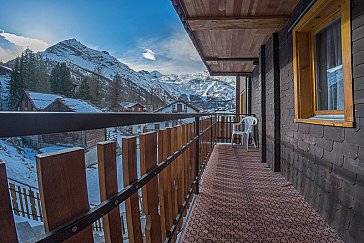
(328, 60)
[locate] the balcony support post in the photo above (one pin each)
(211, 133)
(197, 155)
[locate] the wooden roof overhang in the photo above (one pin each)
(228, 33)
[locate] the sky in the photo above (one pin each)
(144, 34)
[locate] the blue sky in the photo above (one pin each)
(145, 34)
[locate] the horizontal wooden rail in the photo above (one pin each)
(12, 123)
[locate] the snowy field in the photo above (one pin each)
(21, 165)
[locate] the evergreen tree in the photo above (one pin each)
(96, 85)
(60, 80)
(41, 76)
(16, 86)
(84, 91)
(114, 92)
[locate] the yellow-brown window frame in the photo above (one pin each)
(322, 13)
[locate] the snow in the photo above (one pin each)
(42, 100)
(53, 148)
(77, 105)
(20, 162)
(21, 166)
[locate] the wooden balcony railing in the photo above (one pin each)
(171, 163)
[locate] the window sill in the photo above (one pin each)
(326, 122)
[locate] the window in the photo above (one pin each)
(322, 65)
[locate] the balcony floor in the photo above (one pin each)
(241, 200)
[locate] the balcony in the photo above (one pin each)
(193, 186)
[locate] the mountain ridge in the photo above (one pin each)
(199, 88)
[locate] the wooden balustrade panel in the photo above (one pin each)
(130, 176)
(179, 178)
(148, 161)
(182, 139)
(108, 183)
(63, 189)
(184, 166)
(165, 184)
(7, 225)
(174, 148)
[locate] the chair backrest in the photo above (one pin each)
(249, 122)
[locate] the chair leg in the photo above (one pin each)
(247, 141)
(232, 139)
(253, 139)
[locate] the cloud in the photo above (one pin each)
(176, 54)
(12, 45)
(149, 54)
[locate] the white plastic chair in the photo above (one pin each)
(249, 122)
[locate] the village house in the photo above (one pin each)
(132, 107)
(179, 106)
(34, 101)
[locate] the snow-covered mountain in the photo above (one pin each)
(146, 87)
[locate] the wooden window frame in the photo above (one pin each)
(322, 13)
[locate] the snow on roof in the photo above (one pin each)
(128, 105)
(175, 102)
(6, 68)
(77, 105)
(41, 100)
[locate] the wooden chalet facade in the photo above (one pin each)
(179, 106)
(33, 101)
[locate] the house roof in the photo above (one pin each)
(228, 34)
(77, 105)
(7, 69)
(178, 101)
(128, 105)
(41, 100)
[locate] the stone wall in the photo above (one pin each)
(324, 163)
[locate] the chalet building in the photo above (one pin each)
(129, 107)
(179, 106)
(34, 101)
(88, 138)
(133, 107)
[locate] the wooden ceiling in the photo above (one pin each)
(228, 33)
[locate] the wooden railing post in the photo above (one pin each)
(132, 203)
(108, 183)
(197, 158)
(148, 161)
(165, 182)
(7, 225)
(63, 190)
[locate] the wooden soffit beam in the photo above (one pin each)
(215, 60)
(230, 73)
(251, 22)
